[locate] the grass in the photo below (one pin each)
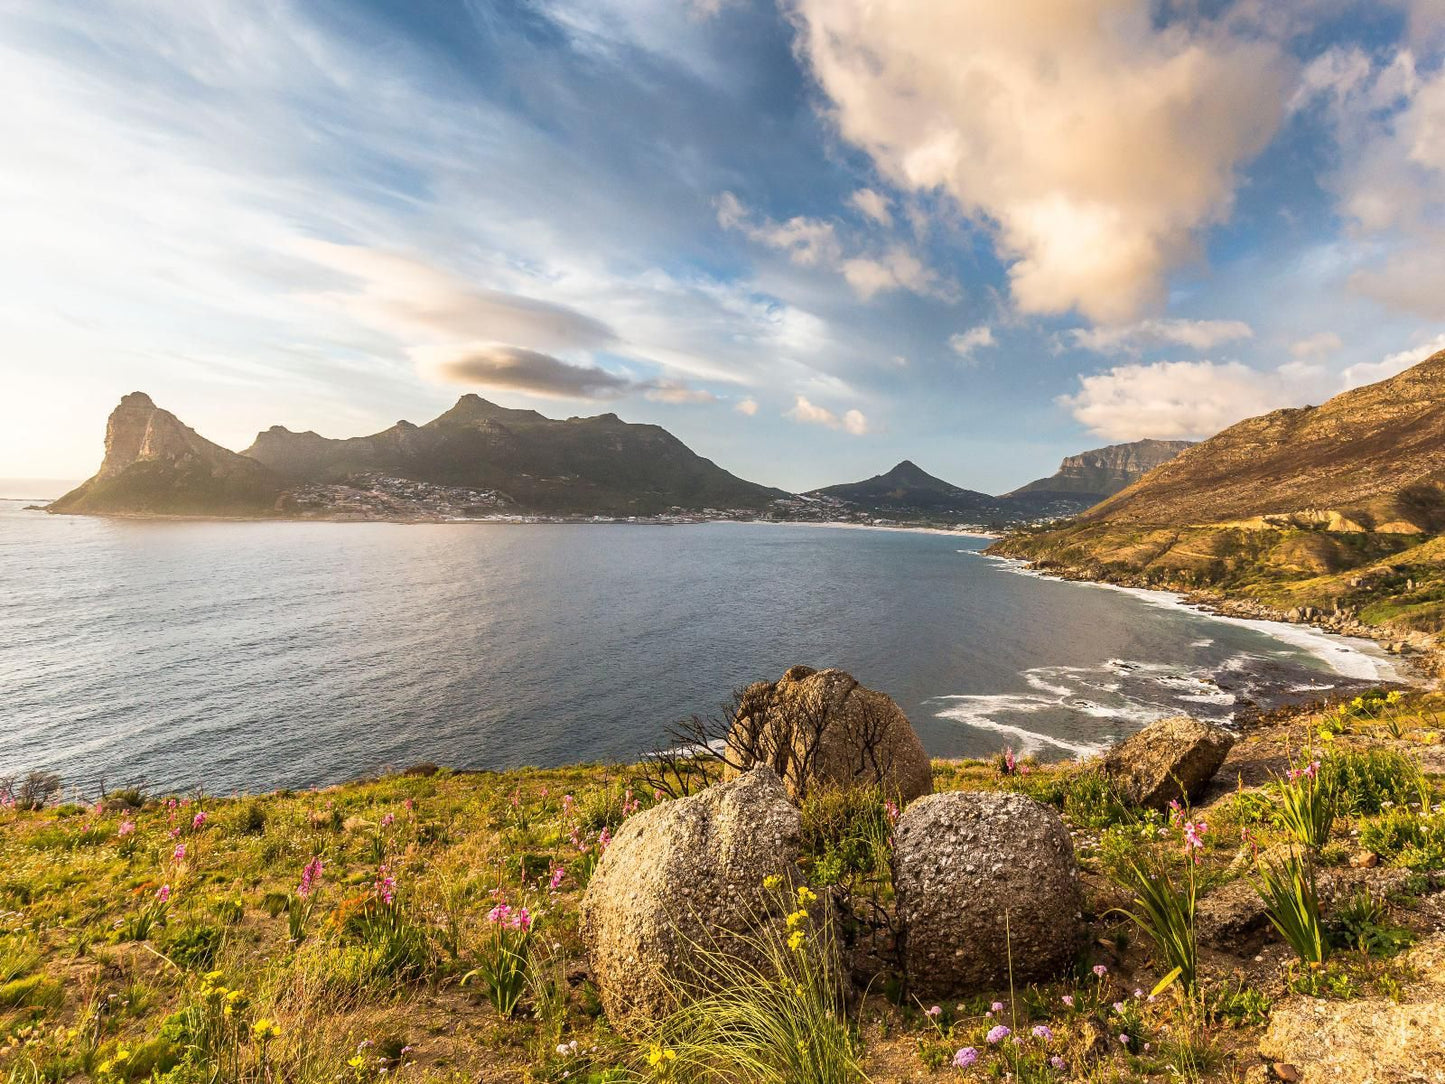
(103, 981)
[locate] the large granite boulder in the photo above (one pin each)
(681, 876)
(1167, 761)
(1369, 1041)
(821, 728)
(976, 874)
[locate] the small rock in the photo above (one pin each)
(1365, 860)
(1283, 1070)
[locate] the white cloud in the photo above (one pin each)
(1317, 345)
(873, 204)
(813, 243)
(1172, 399)
(1370, 372)
(676, 391)
(1148, 334)
(1096, 143)
(746, 406)
(809, 413)
(966, 342)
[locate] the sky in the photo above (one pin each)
(810, 237)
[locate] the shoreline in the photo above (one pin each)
(1413, 670)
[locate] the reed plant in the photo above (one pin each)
(1291, 898)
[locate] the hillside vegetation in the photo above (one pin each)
(423, 926)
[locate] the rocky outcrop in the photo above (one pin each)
(1170, 760)
(680, 877)
(1369, 1041)
(821, 728)
(1102, 472)
(156, 465)
(981, 877)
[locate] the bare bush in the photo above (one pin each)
(33, 790)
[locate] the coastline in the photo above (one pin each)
(1329, 642)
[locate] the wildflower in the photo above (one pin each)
(997, 1034)
(1138, 992)
(385, 885)
(198, 821)
(796, 939)
(388, 820)
(1057, 1062)
(660, 1055)
(965, 1057)
(997, 1006)
(1123, 1040)
(1041, 1031)
(408, 805)
(163, 894)
(772, 881)
(1100, 970)
(934, 1011)
(176, 832)
(357, 1061)
(264, 1030)
(604, 840)
(806, 895)
(1068, 1000)
(796, 919)
(180, 852)
(557, 875)
(309, 876)
(891, 811)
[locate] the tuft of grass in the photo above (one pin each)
(1292, 901)
(1367, 781)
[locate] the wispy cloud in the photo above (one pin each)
(809, 413)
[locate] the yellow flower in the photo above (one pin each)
(357, 1062)
(660, 1054)
(797, 918)
(806, 895)
(772, 881)
(264, 1029)
(796, 939)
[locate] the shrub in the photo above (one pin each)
(849, 833)
(253, 819)
(1090, 801)
(1405, 838)
(1368, 780)
(195, 947)
(1363, 923)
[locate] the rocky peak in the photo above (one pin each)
(139, 430)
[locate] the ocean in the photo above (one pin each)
(249, 656)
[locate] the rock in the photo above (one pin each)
(963, 863)
(821, 728)
(1283, 1070)
(1369, 1041)
(1232, 917)
(1170, 760)
(684, 874)
(1365, 860)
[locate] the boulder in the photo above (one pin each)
(684, 875)
(1170, 760)
(978, 874)
(821, 728)
(1369, 1041)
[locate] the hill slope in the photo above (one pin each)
(155, 465)
(584, 465)
(1085, 479)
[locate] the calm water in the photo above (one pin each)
(250, 655)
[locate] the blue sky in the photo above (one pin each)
(811, 238)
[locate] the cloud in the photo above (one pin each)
(808, 413)
(1370, 372)
(675, 391)
(1095, 143)
(1317, 345)
(1148, 334)
(966, 342)
(1172, 399)
(874, 205)
(746, 406)
(515, 368)
(813, 243)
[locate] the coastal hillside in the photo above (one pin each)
(155, 465)
(431, 925)
(477, 458)
(1329, 508)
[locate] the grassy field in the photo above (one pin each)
(373, 930)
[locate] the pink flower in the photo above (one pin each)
(408, 805)
(557, 875)
(1123, 1040)
(176, 832)
(1057, 1062)
(965, 1057)
(1068, 1000)
(198, 821)
(126, 828)
(500, 915)
(997, 1034)
(180, 852)
(163, 894)
(309, 876)
(997, 1006)
(1100, 970)
(1041, 1031)
(605, 839)
(567, 802)
(891, 811)
(934, 1011)
(388, 820)
(385, 885)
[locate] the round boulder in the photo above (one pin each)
(683, 876)
(821, 728)
(978, 875)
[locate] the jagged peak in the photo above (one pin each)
(137, 399)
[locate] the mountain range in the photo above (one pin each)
(480, 457)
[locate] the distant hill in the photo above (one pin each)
(1084, 480)
(154, 465)
(1319, 506)
(589, 466)
(909, 491)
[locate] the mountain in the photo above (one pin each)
(907, 490)
(599, 465)
(476, 454)
(1320, 506)
(155, 465)
(1084, 480)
